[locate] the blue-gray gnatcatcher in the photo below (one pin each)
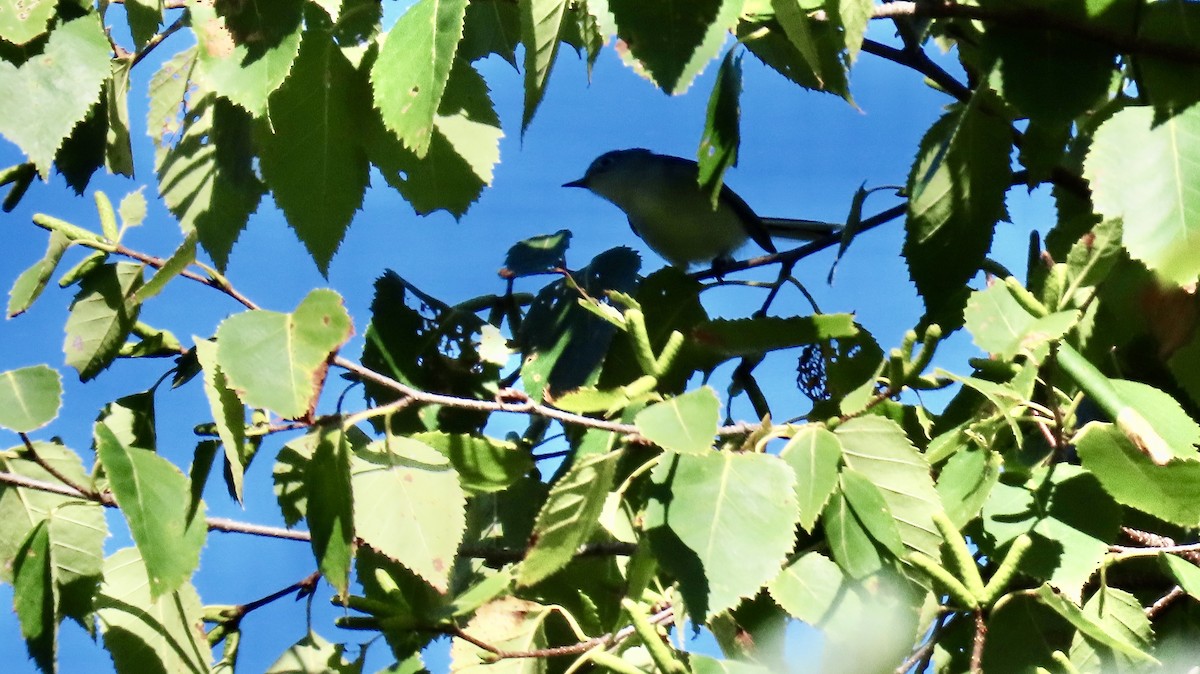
(668, 209)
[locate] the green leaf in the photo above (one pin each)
(537, 255)
(1098, 632)
(794, 20)
(410, 75)
(34, 597)
(491, 27)
(1049, 74)
(139, 628)
(118, 147)
(246, 50)
(684, 424)
(1164, 414)
(1071, 519)
(848, 540)
(1169, 84)
(483, 464)
(1022, 635)
(77, 533)
(101, 317)
(290, 473)
(1166, 492)
(311, 156)
(706, 665)
(766, 39)
(133, 209)
(29, 398)
(814, 454)
(808, 588)
(854, 16)
(750, 336)
(49, 94)
(330, 506)
(409, 506)
(228, 413)
(422, 342)
(1183, 571)
(168, 93)
(879, 449)
(735, 512)
(872, 510)
(207, 179)
(956, 187)
(673, 45)
(21, 509)
(30, 284)
(569, 516)
(131, 419)
(542, 24)
(509, 624)
(276, 360)
(155, 498)
(314, 654)
(1121, 615)
(1000, 325)
(464, 149)
(1148, 175)
(722, 135)
(145, 16)
(564, 344)
(23, 20)
(183, 256)
(966, 480)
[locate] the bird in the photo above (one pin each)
(675, 216)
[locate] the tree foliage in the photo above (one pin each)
(1043, 518)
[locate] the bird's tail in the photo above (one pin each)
(803, 230)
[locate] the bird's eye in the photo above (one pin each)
(603, 163)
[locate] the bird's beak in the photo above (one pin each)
(576, 183)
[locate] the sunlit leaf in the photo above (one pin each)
(29, 398)
(736, 513)
(49, 94)
(1148, 175)
(155, 498)
(276, 360)
(684, 424)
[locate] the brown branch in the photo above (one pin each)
(513, 555)
(158, 262)
(810, 248)
(978, 642)
(106, 499)
(306, 585)
(1152, 541)
(1029, 15)
(90, 494)
(611, 639)
(1164, 601)
(157, 39)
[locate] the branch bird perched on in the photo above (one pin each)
(670, 211)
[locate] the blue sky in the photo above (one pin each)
(803, 154)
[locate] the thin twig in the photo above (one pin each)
(1164, 601)
(611, 639)
(807, 249)
(107, 500)
(157, 39)
(91, 495)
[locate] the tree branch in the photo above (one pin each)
(610, 639)
(1030, 15)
